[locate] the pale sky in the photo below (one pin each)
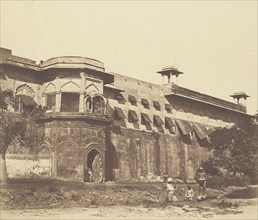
(214, 42)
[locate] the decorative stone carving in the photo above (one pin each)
(50, 88)
(70, 86)
(44, 145)
(24, 89)
(91, 140)
(92, 89)
(68, 149)
(67, 138)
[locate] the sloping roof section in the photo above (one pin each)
(146, 117)
(169, 121)
(157, 120)
(184, 126)
(27, 100)
(119, 113)
(200, 130)
(132, 98)
(133, 115)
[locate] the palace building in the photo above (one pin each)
(118, 127)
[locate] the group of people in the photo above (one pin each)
(200, 178)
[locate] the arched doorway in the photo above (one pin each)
(93, 171)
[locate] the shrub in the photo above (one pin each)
(210, 168)
(220, 182)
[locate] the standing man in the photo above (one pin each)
(170, 190)
(90, 174)
(200, 177)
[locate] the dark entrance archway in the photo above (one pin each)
(93, 171)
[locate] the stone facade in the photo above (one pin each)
(103, 126)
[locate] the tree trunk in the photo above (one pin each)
(3, 171)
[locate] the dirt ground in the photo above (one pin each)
(123, 200)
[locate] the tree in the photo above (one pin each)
(235, 149)
(22, 129)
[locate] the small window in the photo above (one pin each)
(168, 108)
(119, 114)
(145, 103)
(157, 105)
(145, 119)
(120, 98)
(170, 125)
(132, 99)
(157, 121)
(132, 116)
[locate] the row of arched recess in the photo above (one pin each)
(94, 102)
(70, 163)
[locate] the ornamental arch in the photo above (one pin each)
(44, 160)
(68, 161)
(94, 163)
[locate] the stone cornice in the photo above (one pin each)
(76, 115)
(196, 96)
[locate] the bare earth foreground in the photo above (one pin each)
(120, 212)
(58, 200)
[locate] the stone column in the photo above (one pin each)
(58, 101)
(58, 94)
(54, 165)
(83, 81)
(81, 104)
(104, 141)
(83, 84)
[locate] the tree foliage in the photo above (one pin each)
(25, 128)
(235, 149)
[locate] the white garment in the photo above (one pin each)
(170, 188)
